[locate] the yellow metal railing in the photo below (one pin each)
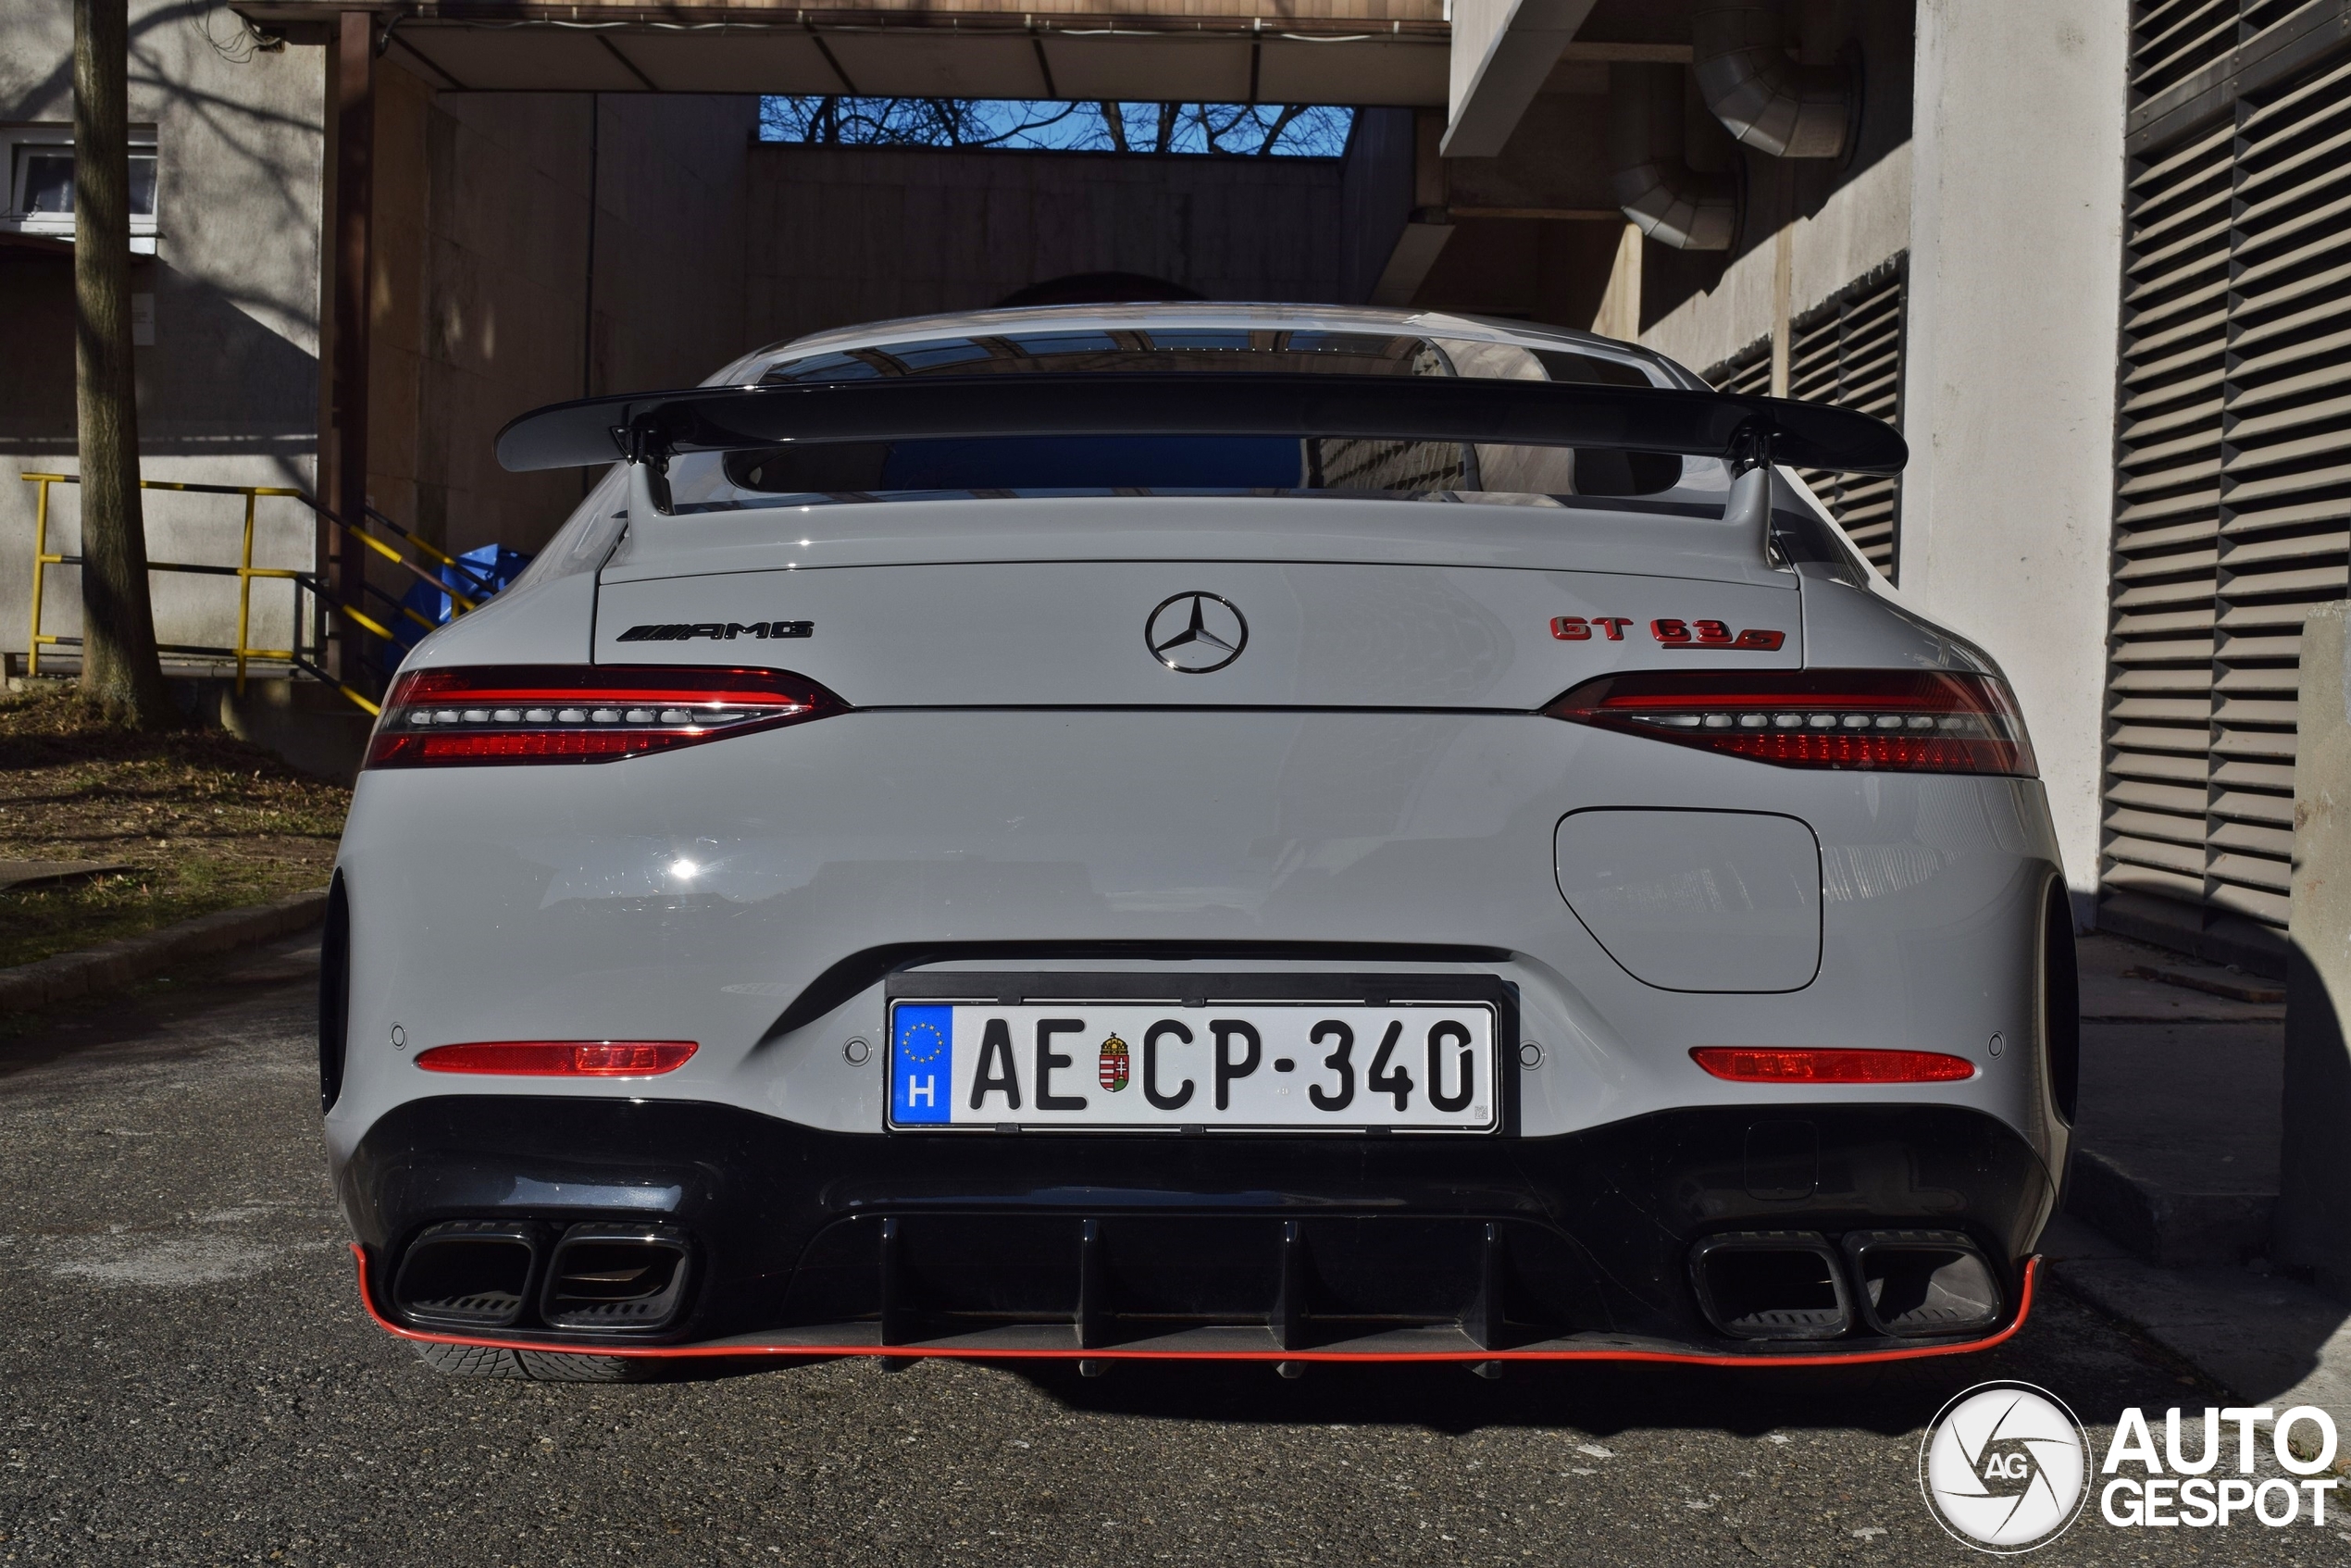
(245, 572)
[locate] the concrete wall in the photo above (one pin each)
(2009, 395)
(1993, 155)
(227, 394)
(1552, 270)
(848, 234)
(1844, 215)
(1858, 224)
(484, 248)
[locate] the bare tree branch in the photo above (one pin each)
(1289, 114)
(1103, 125)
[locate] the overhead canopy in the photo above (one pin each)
(1353, 51)
(1514, 413)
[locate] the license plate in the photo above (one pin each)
(1228, 1067)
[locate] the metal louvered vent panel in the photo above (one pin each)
(2234, 486)
(2173, 39)
(2167, 519)
(2285, 531)
(1850, 353)
(1847, 350)
(1747, 371)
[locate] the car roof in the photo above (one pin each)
(1192, 316)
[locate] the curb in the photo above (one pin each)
(2169, 1230)
(2269, 1340)
(128, 959)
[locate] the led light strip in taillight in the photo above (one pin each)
(580, 713)
(1775, 1064)
(561, 1058)
(1913, 721)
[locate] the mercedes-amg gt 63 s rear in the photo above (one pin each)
(1197, 830)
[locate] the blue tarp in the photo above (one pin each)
(493, 565)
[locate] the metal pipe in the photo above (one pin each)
(40, 562)
(1762, 97)
(318, 585)
(1667, 199)
(245, 594)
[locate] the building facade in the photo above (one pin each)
(2084, 253)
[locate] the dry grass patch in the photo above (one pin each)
(208, 821)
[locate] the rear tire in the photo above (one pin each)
(533, 1366)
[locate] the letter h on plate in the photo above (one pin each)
(922, 1064)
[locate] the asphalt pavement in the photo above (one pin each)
(188, 1377)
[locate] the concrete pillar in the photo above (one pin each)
(1620, 312)
(1428, 226)
(1502, 50)
(2314, 1193)
(2016, 237)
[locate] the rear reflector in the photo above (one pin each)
(1752, 1064)
(561, 1058)
(1913, 721)
(580, 713)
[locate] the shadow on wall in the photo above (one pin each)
(217, 381)
(850, 234)
(1097, 288)
(1873, 46)
(2314, 1218)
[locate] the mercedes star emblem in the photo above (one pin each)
(1194, 634)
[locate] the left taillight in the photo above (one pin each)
(561, 1058)
(578, 712)
(1897, 721)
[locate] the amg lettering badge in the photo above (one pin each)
(718, 631)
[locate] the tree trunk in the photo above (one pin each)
(120, 673)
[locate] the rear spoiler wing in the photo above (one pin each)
(648, 427)
(1750, 433)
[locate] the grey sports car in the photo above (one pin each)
(1197, 830)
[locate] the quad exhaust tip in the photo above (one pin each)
(1922, 1281)
(614, 1276)
(469, 1274)
(1771, 1285)
(1795, 1285)
(476, 1276)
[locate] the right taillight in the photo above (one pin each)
(1759, 1065)
(485, 716)
(1909, 721)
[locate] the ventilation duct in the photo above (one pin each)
(1762, 96)
(1667, 199)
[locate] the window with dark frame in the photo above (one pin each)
(41, 181)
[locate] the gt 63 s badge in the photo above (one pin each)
(1670, 632)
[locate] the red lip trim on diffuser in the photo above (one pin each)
(751, 1348)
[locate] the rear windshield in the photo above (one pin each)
(1049, 466)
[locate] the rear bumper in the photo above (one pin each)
(807, 1242)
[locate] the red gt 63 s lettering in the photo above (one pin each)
(1672, 633)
